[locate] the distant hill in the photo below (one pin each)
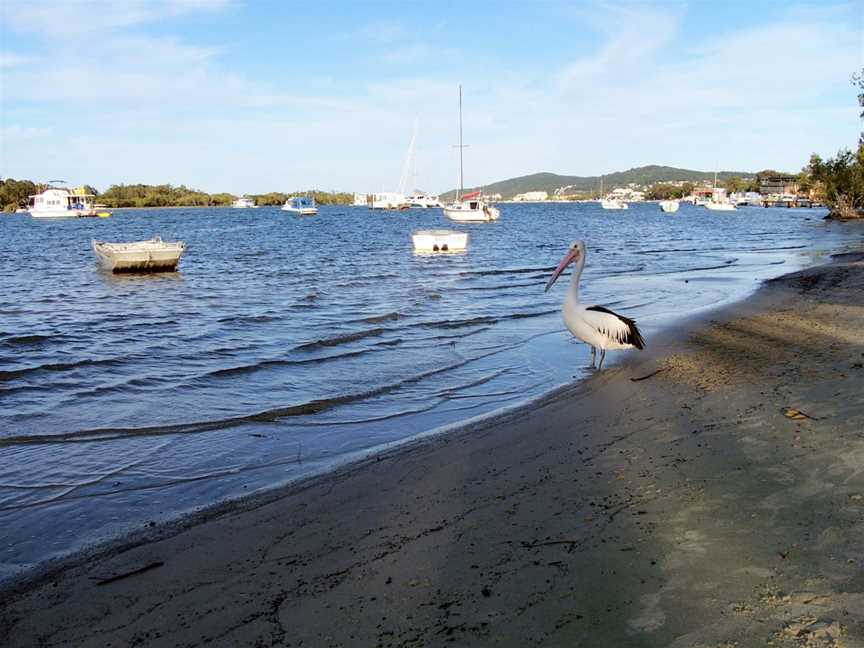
(646, 175)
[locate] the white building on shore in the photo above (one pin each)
(531, 196)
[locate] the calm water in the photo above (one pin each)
(287, 344)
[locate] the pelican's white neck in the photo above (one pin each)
(574, 277)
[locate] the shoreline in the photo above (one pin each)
(71, 573)
(173, 524)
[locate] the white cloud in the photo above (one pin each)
(11, 59)
(169, 110)
(52, 18)
(22, 133)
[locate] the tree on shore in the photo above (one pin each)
(840, 180)
(16, 193)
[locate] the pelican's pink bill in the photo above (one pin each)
(567, 260)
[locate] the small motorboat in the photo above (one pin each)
(154, 255)
(244, 203)
(669, 206)
(611, 202)
(302, 205)
(439, 241)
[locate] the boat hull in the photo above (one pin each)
(141, 256)
(62, 213)
(720, 206)
(613, 204)
(439, 241)
(669, 206)
(304, 211)
(484, 214)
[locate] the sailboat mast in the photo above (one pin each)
(461, 171)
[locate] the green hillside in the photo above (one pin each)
(646, 175)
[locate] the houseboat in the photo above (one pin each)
(62, 203)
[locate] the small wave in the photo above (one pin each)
(57, 366)
(273, 415)
(486, 273)
(723, 265)
(664, 251)
(336, 340)
(27, 340)
(270, 364)
(449, 324)
(378, 319)
(246, 319)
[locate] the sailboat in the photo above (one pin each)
(607, 202)
(468, 208)
(719, 201)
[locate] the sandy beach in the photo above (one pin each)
(707, 493)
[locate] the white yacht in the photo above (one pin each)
(423, 200)
(720, 206)
(301, 205)
(720, 201)
(361, 200)
(62, 203)
(469, 208)
(610, 202)
(669, 206)
(244, 203)
(389, 200)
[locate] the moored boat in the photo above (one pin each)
(719, 201)
(439, 241)
(719, 206)
(613, 203)
(62, 203)
(470, 208)
(301, 205)
(669, 206)
(244, 203)
(420, 199)
(154, 255)
(389, 200)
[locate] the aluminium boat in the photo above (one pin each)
(154, 255)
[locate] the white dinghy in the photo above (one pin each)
(154, 255)
(439, 241)
(669, 206)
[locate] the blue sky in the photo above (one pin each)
(267, 96)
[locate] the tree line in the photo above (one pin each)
(15, 194)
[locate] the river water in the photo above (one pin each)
(285, 345)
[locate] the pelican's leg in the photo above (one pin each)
(593, 357)
(602, 357)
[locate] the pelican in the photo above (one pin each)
(594, 325)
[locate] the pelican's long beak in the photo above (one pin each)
(567, 260)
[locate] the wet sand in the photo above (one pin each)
(708, 493)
